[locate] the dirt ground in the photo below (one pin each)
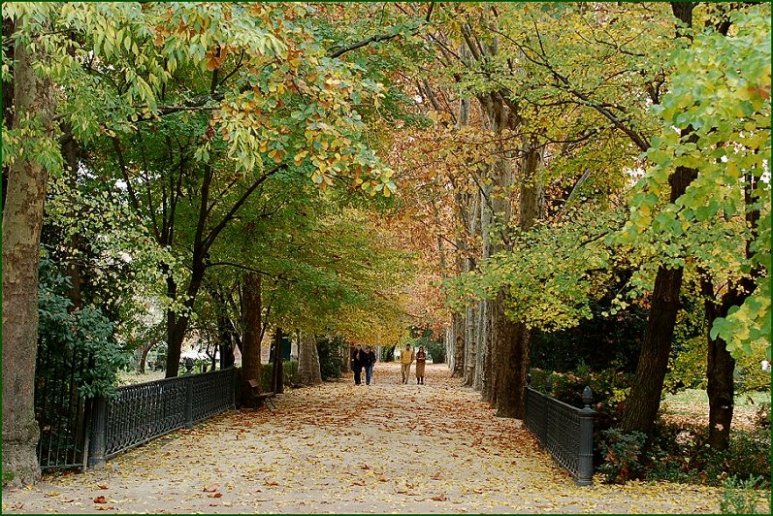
(341, 448)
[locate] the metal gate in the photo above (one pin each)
(60, 409)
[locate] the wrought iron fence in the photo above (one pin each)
(60, 408)
(142, 412)
(565, 431)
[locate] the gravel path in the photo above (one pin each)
(341, 448)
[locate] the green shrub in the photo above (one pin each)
(437, 352)
(289, 374)
(741, 497)
(678, 454)
(7, 477)
(388, 353)
(621, 452)
(63, 333)
(687, 368)
(331, 352)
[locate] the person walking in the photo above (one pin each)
(369, 362)
(421, 362)
(358, 357)
(406, 359)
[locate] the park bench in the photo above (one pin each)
(261, 398)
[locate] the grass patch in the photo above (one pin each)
(696, 401)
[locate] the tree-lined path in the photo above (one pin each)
(350, 449)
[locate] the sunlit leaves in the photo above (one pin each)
(719, 99)
(551, 274)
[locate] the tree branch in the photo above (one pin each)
(238, 204)
(338, 52)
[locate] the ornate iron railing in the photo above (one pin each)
(565, 431)
(60, 408)
(142, 412)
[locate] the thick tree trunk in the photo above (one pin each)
(252, 313)
(721, 391)
(309, 372)
(513, 346)
(21, 230)
(720, 365)
(643, 402)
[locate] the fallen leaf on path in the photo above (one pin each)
(440, 498)
(53, 493)
(210, 489)
(103, 486)
(215, 495)
(100, 499)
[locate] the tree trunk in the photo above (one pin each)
(178, 324)
(142, 356)
(481, 374)
(513, 346)
(720, 365)
(70, 155)
(225, 345)
(278, 372)
(643, 402)
(22, 224)
(309, 372)
(252, 313)
(458, 345)
(719, 372)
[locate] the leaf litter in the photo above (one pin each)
(341, 448)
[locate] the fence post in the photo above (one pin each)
(585, 463)
(98, 428)
(189, 402)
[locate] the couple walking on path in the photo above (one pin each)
(363, 358)
(407, 356)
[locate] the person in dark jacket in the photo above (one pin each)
(370, 361)
(358, 361)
